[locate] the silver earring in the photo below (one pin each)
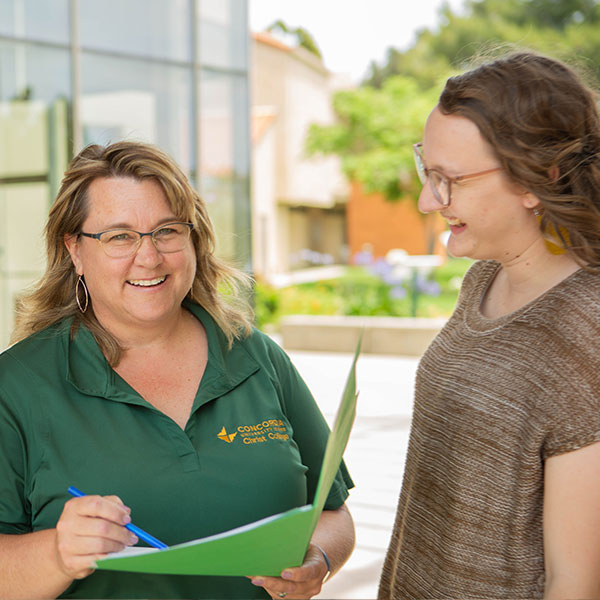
(80, 281)
(537, 212)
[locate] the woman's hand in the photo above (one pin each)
(334, 534)
(304, 581)
(88, 529)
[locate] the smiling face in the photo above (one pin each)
(489, 216)
(145, 289)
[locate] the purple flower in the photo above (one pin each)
(398, 292)
(381, 268)
(429, 287)
(363, 258)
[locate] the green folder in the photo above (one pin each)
(264, 547)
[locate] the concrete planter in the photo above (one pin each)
(382, 335)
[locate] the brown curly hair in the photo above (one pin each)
(52, 299)
(542, 122)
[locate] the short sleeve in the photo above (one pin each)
(572, 407)
(310, 428)
(574, 418)
(14, 517)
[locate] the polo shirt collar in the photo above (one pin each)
(89, 371)
(226, 368)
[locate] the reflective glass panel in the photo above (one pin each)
(34, 112)
(135, 99)
(34, 124)
(33, 73)
(153, 28)
(228, 205)
(224, 125)
(46, 20)
(224, 160)
(223, 33)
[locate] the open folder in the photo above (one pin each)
(264, 547)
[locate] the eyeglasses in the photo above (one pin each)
(121, 243)
(441, 185)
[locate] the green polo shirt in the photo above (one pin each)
(252, 447)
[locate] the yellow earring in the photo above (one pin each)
(550, 234)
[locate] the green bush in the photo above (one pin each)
(358, 292)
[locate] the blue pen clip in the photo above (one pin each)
(146, 537)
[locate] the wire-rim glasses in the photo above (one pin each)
(441, 185)
(122, 243)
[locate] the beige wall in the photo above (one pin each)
(268, 238)
(293, 87)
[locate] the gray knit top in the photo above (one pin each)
(494, 398)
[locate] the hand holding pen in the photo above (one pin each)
(90, 528)
(140, 533)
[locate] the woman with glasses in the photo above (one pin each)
(501, 490)
(136, 376)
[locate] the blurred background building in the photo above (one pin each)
(75, 72)
(233, 110)
(299, 213)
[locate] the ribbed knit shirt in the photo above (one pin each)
(494, 398)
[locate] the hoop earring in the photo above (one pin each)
(85, 291)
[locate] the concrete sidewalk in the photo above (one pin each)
(374, 455)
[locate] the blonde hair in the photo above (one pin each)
(216, 286)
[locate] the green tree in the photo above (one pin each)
(302, 37)
(568, 29)
(378, 123)
(374, 133)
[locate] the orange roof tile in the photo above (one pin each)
(265, 37)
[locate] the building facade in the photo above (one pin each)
(298, 212)
(74, 72)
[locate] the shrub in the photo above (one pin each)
(365, 291)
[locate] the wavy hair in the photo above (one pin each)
(542, 122)
(216, 286)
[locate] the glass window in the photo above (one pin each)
(46, 20)
(34, 124)
(228, 205)
(224, 125)
(153, 28)
(223, 34)
(34, 113)
(224, 161)
(23, 212)
(135, 99)
(33, 73)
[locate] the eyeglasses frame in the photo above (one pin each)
(419, 157)
(96, 236)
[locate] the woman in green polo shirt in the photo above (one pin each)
(134, 380)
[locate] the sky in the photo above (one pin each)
(352, 33)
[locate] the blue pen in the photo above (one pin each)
(139, 532)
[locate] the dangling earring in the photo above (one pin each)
(551, 239)
(85, 291)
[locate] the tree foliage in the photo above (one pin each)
(568, 29)
(302, 37)
(374, 134)
(378, 123)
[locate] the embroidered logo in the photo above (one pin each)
(226, 437)
(265, 431)
(268, 430)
